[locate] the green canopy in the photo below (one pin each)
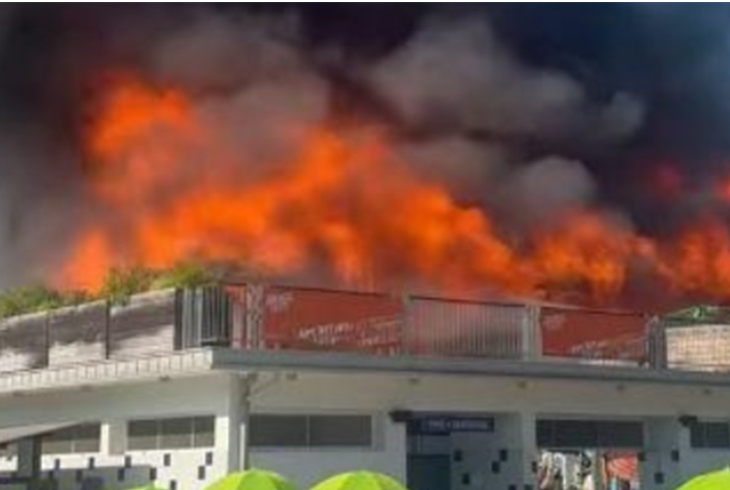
(359, 480)
(717, 480)
(252, 480)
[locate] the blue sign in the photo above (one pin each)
(447, 425)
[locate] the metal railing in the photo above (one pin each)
(296, 318)
(270, 317)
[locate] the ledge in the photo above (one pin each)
(233, 360)
(183, 363)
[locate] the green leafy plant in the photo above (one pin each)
(30, 299)
(120, 284)
(183, 275)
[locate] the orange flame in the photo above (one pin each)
(345, 203)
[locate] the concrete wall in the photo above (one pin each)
(113, 407)
(516, 403)
(308, 466)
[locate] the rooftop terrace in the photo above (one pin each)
(264, 317)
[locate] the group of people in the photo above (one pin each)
(576, 471)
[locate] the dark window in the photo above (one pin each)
(311, 431)
(78, 439)
(620, 434)
(710, 435)
(545, 435)
(142, 434)
(278, 430)
(60, 442)
(203, 432)
(174, 433)
(589, 433)
(340, 430)
(575, 433)
(87, 438)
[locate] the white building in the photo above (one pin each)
(178, 388)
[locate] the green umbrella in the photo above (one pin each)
(359, 480)
(252, 480)
(717, 480)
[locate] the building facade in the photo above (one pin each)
(178, 388)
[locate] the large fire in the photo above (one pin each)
(343, 202)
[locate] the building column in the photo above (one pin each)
(667, 445)
(232, 426)
(231, 422)
(113, 437)
(29, 460)
(519, 438)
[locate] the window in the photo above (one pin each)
(311, 431)
(340, 430)
(278, 430)
(173, 433)
(589, 433)
(78, 439)
(142, 434)
(710, 435)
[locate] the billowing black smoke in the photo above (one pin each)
(527, 110)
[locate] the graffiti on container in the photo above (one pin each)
(593, 335)
(311, 319)
(365, 332)
(279, 302)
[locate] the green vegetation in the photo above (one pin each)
(119, 285)
(29, 299)
(183, 275)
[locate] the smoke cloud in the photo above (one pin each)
(456, 76)
(465, 104)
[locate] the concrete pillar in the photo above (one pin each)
(517, 435)
(232, 422)
(232, 426)
(29, 459)
(113, 437)
(666, 446)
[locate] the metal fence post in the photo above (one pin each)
(531, 339)
(657, 344)
(255, 335)
(406, 336)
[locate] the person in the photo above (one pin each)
(547, 472)
(550, 475)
